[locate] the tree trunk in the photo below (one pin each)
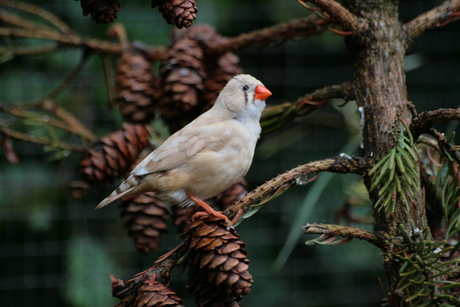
(380, 87)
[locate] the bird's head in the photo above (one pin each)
(244, 94)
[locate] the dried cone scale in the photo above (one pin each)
(112, 155)
(145, 218)
(148, 293)
(102, 11)
(218, 267)
(136, 90)
(182, 74)
(178, 12)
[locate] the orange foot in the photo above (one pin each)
(208, 209)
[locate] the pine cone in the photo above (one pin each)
(219, 72)
(145, 218)
(178, 12)
(136, 87)
(148, 293)
(112, 155)
(182, 217)
(218, 265)
(102, 11)
(228, 197)
(182, 74)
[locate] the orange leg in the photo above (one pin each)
(208, 209)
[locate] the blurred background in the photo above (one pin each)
(58, 251)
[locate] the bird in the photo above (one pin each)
(206, 156)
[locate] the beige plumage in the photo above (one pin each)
(206, 156)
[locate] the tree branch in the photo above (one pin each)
(311, 25)
(40, 141)
(39, 12)
(338, 14)
(330, 231)
(423, 122)
(433, 18)
(300, 175)
(277, 116)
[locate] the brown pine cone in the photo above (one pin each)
(136, 87)
(145, 218)
(182, 74)
(102, 11)
(182, 217)
(219, 72)
(178, 12)
(112, 155)
(228, 197)
(149, 292)
(218, 267)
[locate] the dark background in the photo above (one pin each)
(58, 251)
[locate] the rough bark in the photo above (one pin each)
(380, 87)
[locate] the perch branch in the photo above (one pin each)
(330, 231)
(423, 122)
(37, 140)
(39, 12)
(305, 27)
(337, 14)
(433, 18)
(276, 116)
(300, 175)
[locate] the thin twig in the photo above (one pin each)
(20, 22)
(30, 50)
(329, 231)
(109, 78)
(432, 18)
(338, 14)
(75, 126)
(38, 140)
(39, 12)
(279, 184)
(68, 79)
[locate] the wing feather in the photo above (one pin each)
(181, 147)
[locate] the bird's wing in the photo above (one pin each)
(181, 147)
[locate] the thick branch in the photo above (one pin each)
(329, 231)
(432, 19)
(299, 175)
(338, 14)
(424, 121)
(73, 40)
(304, 27)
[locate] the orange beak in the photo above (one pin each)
(262, 93)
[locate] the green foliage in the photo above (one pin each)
(398, 170)
(424, 275)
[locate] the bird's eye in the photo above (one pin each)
(246, 87)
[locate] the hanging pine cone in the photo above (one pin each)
(149, 292)
(145, 218)
(182, 74)
(102, 11)
(136, 87)
(182, 217)
(178, 12)
(218, 267)
(112, 155)
(219, 72)
(228, 197)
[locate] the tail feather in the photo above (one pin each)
(126, 188)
